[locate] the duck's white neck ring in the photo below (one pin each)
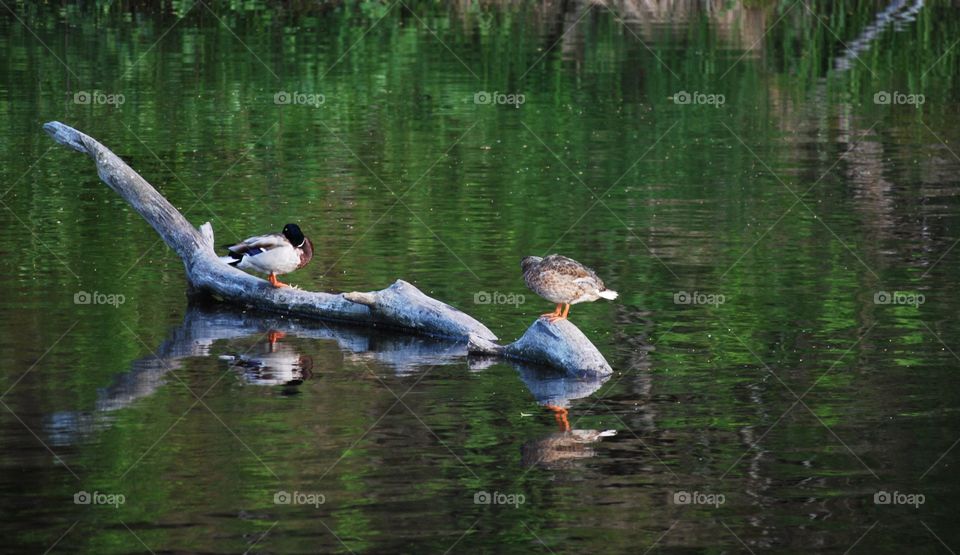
(302, 243)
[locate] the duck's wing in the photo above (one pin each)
(573, 270)
(260, 243)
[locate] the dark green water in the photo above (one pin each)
(798, 202)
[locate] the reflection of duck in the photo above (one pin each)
(279, 364)
(563, 281)
(555, 393)
(272, 254)
(557, 450)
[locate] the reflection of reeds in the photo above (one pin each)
(896, 14)
(741, 23)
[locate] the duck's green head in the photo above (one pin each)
(293, 234)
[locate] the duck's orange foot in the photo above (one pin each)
(557, 314)
(276, 282)
(551, 316)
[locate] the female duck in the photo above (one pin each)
(563, 281)
(272, 254)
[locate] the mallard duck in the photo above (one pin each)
(272, 254)
(273, 364)
(563, 281)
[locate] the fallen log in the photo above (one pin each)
(401, 306)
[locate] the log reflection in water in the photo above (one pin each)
(270, 361)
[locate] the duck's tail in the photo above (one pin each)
(609, 294)
(232, 260)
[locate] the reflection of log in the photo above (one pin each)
(400, 306)
(559, 344)
(261, 364)
(550, 389)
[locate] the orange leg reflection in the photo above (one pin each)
(273, 337)
(560, 414)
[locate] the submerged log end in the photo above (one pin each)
(477, 345)
(562, 345)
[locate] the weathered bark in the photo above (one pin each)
(400, 306)
(559, 344)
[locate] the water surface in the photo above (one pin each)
(805, 217)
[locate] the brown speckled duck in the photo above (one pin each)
(563, 281)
